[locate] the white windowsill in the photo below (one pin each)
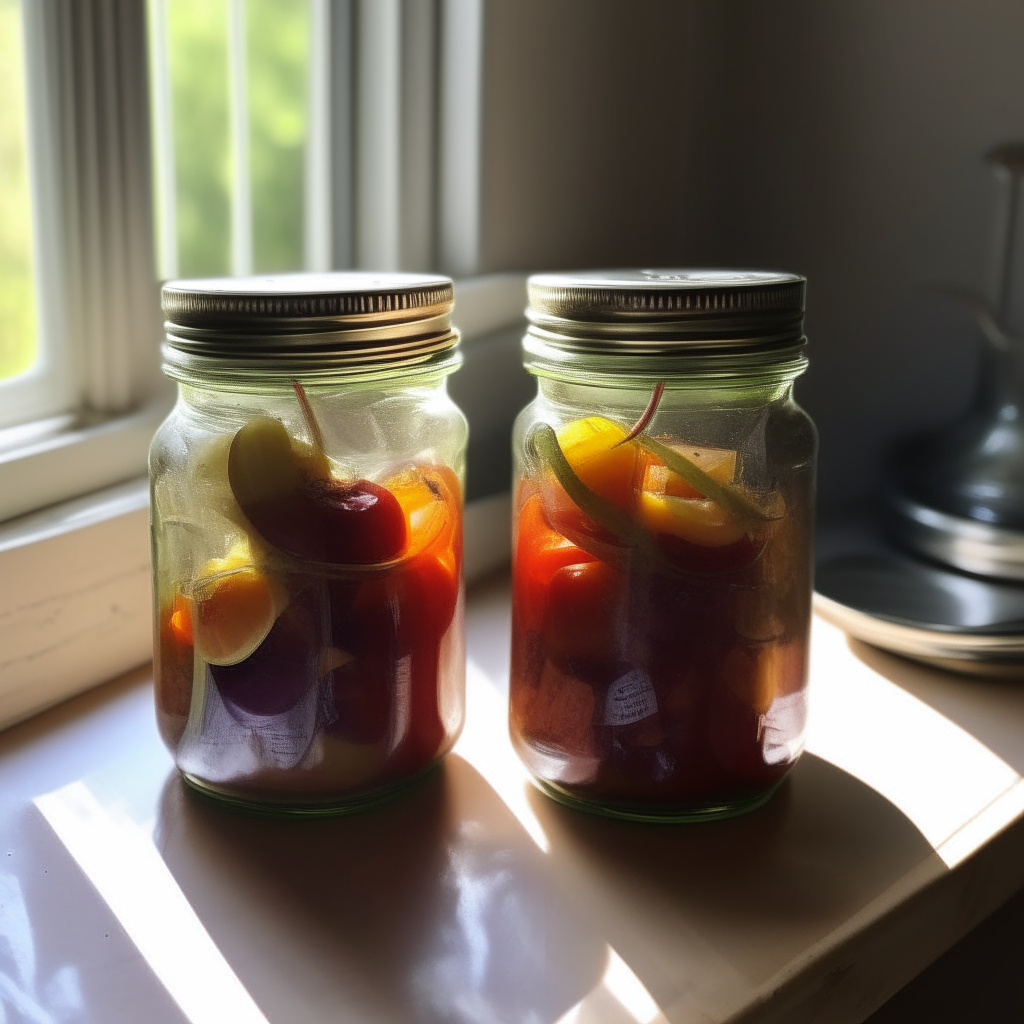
(59, 458)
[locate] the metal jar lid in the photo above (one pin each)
(318, 327)
(654, 323)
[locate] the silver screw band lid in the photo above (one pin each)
(656, 323)
(314, 326)
(666, 309)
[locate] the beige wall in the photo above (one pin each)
(838, 138)
(585, 124)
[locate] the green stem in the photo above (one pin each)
(652, 407)
(543, 441)
(542, 444)
(315, 435)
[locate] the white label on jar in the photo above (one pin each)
(629, 699)
(783, 728)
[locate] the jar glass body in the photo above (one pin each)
(659, 657)
(300, 665)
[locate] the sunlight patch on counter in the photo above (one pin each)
(620, 998)
(956, 791)
(485, 745)
(118, 857)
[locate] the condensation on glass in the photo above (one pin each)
(307, 537)
(663, 531)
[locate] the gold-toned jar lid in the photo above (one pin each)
(646, 323)
(318, 327)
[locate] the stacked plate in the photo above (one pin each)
(917, 609)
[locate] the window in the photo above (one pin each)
(316, 134)
(248, 132)
(17, 294)
(35, 379)
(79, 417)
(241, 99)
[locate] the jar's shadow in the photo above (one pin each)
(434, 907)
(729, 904)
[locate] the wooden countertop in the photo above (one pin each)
(475, 899)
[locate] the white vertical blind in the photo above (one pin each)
(417, 160)
(396, 128)
(97, 243)
(378, 133)
(460, 105)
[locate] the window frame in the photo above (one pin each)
(48, 387)
(81, 421)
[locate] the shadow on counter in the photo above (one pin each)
(706, 914)
(433, 907)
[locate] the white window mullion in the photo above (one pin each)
(418, 134)
(81, 135)
(108, 255)
(111, 392)
(318, 217)
(378, 131)
(241, 183)
(166, 198)
(341, 131)
(460, 106)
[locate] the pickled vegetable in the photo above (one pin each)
(311, 656)
(659, 653)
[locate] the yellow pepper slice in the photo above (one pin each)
(235, 607)
(589, 446)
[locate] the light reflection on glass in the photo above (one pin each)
(119, 858)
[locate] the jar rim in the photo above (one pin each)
(203, 371)
(739, 367)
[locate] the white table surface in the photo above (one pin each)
(473, 898)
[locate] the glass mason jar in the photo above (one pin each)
(663, 538)
(307, 537)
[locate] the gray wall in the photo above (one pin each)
(840, 139)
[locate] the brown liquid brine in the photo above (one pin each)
(659, 637)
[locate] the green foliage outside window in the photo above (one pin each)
(277, 47)
(17, 298)
(197, 37)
